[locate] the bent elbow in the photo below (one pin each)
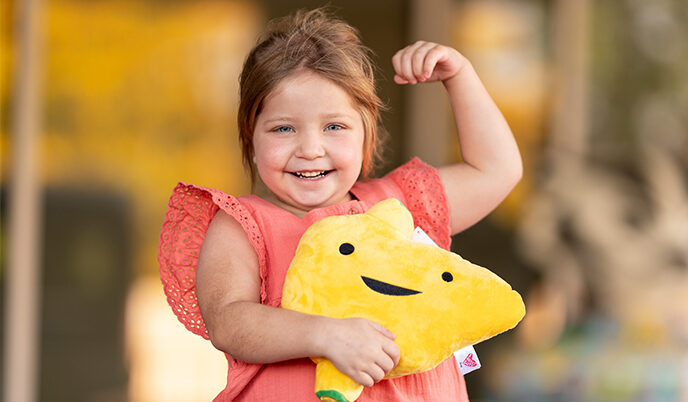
(514, 172)
(220, 334)
(518, 172)
(218, 341)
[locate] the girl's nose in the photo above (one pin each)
(310, 145)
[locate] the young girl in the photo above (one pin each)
(308, 126)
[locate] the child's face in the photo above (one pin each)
(308, 143)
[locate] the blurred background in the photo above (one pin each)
(107, 104)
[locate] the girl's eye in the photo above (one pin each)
(283, 129)
(333, 127)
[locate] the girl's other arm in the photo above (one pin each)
(491, 161)
(228, 290)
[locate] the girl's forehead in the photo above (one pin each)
(306, 87)
(305, 80)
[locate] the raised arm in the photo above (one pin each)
(491, 164)
(228, 290)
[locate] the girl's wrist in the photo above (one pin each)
(453, 81)
(319, 335)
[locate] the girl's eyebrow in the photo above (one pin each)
(277, 119)
(338, 115)
(327, 116)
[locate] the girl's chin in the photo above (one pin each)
(308, 204)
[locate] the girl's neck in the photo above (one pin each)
(298, 211)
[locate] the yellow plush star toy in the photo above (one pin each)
(368, 266)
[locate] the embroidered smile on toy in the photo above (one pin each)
(367, 266)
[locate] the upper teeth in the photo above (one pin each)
(310, 174)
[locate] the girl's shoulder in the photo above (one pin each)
(189, 213)
(194, 207)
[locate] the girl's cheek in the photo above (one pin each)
(352, 149)
(275, 152)
(266, 150)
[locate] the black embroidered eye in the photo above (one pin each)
(346, 248)
(447, 277)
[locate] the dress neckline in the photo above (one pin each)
(351, 207)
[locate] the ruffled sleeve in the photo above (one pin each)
(190, 211)
(425, 199)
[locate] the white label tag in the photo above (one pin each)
(466, 357)
(467, 360)
(419, 236)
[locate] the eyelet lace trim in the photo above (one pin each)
(425, 199)
(191, 209)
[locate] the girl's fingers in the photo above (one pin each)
(433, 55)
(392, 350)
(376, 372)
(397, 63)
(406, 62)
(365, 379)
(418, 61)
(386, 363)
(382, 329)
(399, 80)
(404, 70)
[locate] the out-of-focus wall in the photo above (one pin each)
(595, 93)
(136, 96)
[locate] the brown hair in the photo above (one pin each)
(324, 44)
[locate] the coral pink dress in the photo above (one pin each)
(274, 234)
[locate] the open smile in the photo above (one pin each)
(311, 175)
(387, 289)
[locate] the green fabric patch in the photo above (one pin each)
(330, 393)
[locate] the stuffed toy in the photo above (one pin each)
(366, 265)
